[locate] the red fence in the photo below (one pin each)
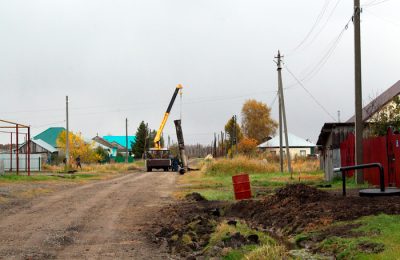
(384, 150)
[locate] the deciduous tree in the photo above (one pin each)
(256, 120)
(247, 146)
(78, 147)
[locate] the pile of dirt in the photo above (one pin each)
(300, 192)
(195, 197)
(297, 207)
(186, 227)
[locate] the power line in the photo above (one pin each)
(326, 22)
(374, 3)
(314, 70)
(54, 123)
(273, 101)
(309, 93)
(317, 21)
(383, 18)
(327, 55)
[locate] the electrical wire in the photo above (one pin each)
(48, 124)
(326, 22)
(374, 3)
(273, 101)
(383, 19)
(309, 93)
(317, 21)
(315, 69)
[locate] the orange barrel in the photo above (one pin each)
(241, 186)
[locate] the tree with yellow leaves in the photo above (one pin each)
(256, 120)
(247, 146)
(78, 147)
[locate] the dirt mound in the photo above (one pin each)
(186, 227)
(296, 208)
(195, 197)
(301, 192)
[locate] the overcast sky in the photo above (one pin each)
(123, 58)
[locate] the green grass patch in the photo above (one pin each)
(13, 178)
(378, 238)
(223, 232)
(25, 178)
(220, 187)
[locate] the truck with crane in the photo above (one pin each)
(159, 157)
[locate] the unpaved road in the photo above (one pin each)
(100, 220)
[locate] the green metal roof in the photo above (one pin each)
(50, 135)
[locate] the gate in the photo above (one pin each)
(383, 149)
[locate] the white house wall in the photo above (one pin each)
(293, 151)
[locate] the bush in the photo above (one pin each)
(253, 165)
(238, 165)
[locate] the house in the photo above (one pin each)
(379, 103)
(332, 134)
(297, 146)
(120, 140)
(113, 147)
(40, 147)
(50, 135)
(44, 144)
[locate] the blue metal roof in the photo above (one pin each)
(120, 139)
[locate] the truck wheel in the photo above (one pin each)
(149, 169)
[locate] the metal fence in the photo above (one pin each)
(9, 162)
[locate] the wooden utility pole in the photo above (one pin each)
(67, 133)
(280, 132)
(126, 139)
(282, 107)
(235, 134)
(358, 92)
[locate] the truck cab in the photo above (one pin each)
(158, 159)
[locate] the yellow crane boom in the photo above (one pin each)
(157, 139)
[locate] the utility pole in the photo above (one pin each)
(280, 132)
(338, 116)
(144, 155)
(126, 139)
(67, 133)
(234, 136)
(358, 91)
(282, 105)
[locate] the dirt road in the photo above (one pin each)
(100, 220)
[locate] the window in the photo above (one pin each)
(303, 153)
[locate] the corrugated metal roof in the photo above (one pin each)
(50, 135)
(379, 102)
(121, 140)
(294, 141)
(45, 145)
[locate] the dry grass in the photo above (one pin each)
(268, 251)
(97, 168)
(252, 165)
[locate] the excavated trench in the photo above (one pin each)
(187, 226)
